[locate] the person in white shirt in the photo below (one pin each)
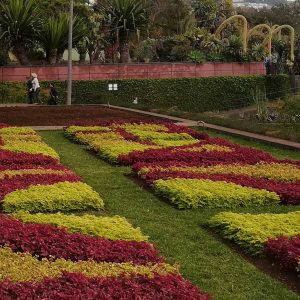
(36, 88)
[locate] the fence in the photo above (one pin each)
(132, 71)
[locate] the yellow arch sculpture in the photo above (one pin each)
(243, 29)
(292, 37)
(257, 30)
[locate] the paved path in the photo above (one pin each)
(246, 134)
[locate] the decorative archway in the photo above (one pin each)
(258, 31)
(278, 30)
(243, 28)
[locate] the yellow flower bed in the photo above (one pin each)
(9, 138)
(30, 147)
(152, 135)
(143, 127)
(17, 130)
(12, 173)
(193, 193)
(252, 231)
(167, 143)
(113, 228)
(91, 137)
(274, 171)
(73, 129)
(63, 196)
(209, 148)
(24, 267)
(112, 149)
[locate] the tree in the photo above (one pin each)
(205, 12)
(174, 16)
(53, 35)
(126, 17)
(19, 22)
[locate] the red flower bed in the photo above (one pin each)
(10, 184)
(238, 155)
(47, 241)
(17, 160)
(285, 251)
(75, 286)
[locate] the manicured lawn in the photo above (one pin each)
(180, 235)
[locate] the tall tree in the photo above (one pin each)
(127, 17)
(19, 21)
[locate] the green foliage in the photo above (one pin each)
(195, 193)
(23, 267)
(218, 269)
(196, 56)
(252, 231)
(260, 99)
(63, 196)
(19, 22)
(146, 50)
(204, 94)
(112, 228)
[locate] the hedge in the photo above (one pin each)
(188, 94)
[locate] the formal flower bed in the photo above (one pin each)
(276, 235)
(57, 256)
(34, 256)
(192, 170)
(32, 179)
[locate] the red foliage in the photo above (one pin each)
(10, 184)
(238, 155)
(47, 241)
(285, 251)
(76, 286)
(15, 159)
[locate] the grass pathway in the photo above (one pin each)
(180, 235)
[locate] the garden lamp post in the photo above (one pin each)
(70, 48)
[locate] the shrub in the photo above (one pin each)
(204, 94)
(112, 228)
(62, 196)
(194, 193)
(47, 241)
(36, 270)
(285, 251)
(171, 286)
(253, 231)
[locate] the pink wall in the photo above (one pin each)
(128, 71)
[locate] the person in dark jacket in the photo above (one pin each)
(53, 96)
(29, 90)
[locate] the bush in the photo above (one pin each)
(194, 193)
(253, 231)
(62, 196)
(187, 94)
(112, 228)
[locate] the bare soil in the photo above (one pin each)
(63, 115)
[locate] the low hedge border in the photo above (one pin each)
(188, 94)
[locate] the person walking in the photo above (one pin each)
(29, 90)
(53, 96)
(35, 88)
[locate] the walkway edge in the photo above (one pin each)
(189, 123)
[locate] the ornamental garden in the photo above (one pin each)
(60, 240)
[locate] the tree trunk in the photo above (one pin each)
(59, 57)
(20, 52)
(124, 53)
(82, 57)
(52, 56)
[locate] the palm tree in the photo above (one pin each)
(126, 17)
(54, 36)
(19, 22)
